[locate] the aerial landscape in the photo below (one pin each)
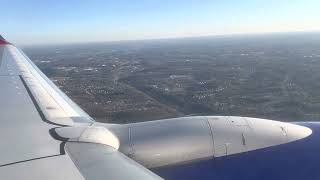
(269, 76)
(160, 90)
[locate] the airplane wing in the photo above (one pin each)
(31, 108)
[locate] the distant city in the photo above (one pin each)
(273, 76)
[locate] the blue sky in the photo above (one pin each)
(68, 21)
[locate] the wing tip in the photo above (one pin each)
(3, 41)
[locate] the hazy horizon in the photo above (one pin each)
(41, 22)
(240, 35)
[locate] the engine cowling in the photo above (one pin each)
(179, 140)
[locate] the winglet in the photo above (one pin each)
(3, 41)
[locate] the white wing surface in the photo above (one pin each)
(31, 107)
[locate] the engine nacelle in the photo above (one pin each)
(180, 140)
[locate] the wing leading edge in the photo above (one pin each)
(54, 104)
(31, 108)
